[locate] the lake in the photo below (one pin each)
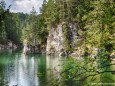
(17, 69)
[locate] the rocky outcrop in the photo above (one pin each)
(32, 49)
(29, 48)
(56, 39)
(8, 45)
(66, 39)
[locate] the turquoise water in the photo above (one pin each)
(17, 69)
(22, 70)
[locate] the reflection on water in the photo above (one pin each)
(54, 64)
(22, 70)
(17, 69)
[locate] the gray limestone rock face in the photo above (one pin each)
(55, 39)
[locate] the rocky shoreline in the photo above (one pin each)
(9, 45)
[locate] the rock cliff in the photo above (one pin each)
(66, 40)
(61, 39)
(55, 40)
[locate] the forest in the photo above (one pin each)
(76, 29)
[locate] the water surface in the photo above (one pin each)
(17, 69)
(22, 70)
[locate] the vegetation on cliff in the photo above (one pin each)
(95, 24)
(94, 21)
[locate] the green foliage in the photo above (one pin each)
(10, 25)
(100, 24)
(12, 28)
(3, 14)
(34, 31)
(96, 21)
(66, 41)
(85, 72)
(69, 69)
